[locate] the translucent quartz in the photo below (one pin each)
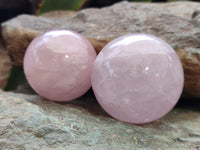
(137, 78)
(58, 65)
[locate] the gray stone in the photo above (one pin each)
(102, 25)
(175, 8)
(30, 122)
(184, 9)
(59, 14)
(196, 13)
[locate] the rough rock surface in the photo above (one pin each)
(196, 13)
(59, 14)
(5, 65)
(30, 122)
(175, 8)
(181, 9)
(102, 25)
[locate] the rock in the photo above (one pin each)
(5, 65)
(176, 8)
(196, 20)
(25, 89)
(102, 25)
(59, 14)
(30, 122)
(196, 13)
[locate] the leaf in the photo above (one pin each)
(50, 5)
(16, 78)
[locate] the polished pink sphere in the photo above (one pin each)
(137, 78)
(58, 64)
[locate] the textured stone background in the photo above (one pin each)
(31, 122)
(102, 25)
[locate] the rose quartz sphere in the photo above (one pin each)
(137, 78)
(58, 64)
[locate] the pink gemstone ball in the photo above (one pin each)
(137, 78)
(58, 64)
